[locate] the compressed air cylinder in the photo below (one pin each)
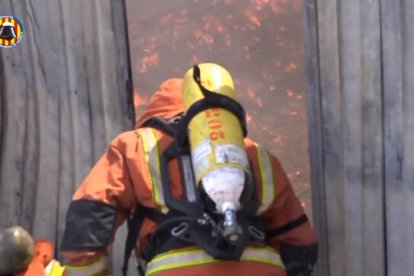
(216, 138)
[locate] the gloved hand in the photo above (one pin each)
(300, 270)
(299, 260)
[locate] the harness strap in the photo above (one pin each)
(166, 237)
(286, 228)
(162, 125)
(134, 224)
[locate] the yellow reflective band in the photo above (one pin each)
(152, 158)
(99, 267)
(266, 173)
(184, 258)
(54, 269)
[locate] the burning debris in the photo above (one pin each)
(147, 61)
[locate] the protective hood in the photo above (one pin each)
(166, 103)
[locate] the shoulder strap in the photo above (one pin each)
(134, 224)
(167, 126)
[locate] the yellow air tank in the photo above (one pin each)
(216, 139)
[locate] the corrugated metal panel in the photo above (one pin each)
(361, 134)
(65, 95)
(398, 66)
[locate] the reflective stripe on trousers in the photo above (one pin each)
(100, 267)
(184, 258)
(54, 269)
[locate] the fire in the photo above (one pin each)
(290, 67)
(278, 139)
(203, 38)
(290, 93)
(276, 6)
(211, 23)
(166, 19)
(148, 61)
(295, 95)
(253, 96)
(253, 18)
(248, 117)
(139, 99)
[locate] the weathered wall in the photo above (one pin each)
(65, 93)
(360, 99)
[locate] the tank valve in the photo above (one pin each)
(232, 231)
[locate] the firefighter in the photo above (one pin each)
(43, 262)
(16, 250)
(186, 214)
(20, 256)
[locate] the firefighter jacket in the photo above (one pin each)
(43, 263)
(128, 175)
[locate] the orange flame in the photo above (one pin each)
(290, 67)
(253, 18)
(252, 95)
(278, 139)
(203, 38)
(139, 99)
(290, 93)
(248, 117)
(150, 60)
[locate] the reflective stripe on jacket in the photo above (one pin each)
(190, 257)
(153, 155)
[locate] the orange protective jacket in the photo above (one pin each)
(43, 263)
(121, 179)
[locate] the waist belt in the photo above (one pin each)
(189, 257)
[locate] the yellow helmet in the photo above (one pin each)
(16, 250)
(212, 76)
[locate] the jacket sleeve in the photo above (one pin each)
(99, 206)
(288, 229)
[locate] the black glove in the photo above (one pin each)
(299, 260)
